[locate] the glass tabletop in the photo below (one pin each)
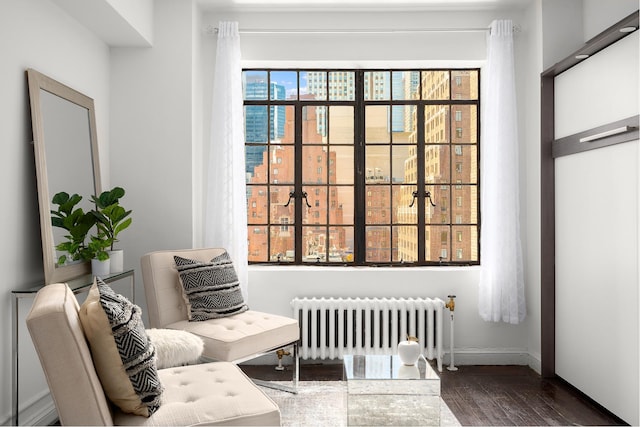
(385, 367)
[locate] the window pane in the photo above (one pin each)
(465, 130)
(376, 121)
(277, 121)
(340, 124)
(441, 212)
(403, 213)
(314, 244)
(436, 163)
(436, 124)
(437, 242)
(256, 124)
(377, 85)
(257, 243)
(282, 243)
(378, 244)
(407, 243)
(317, 198)
(341, 165)
(403, 164)
(341, 205)
(257, 210)
(314, 157)
(465, 206)
(341, 86)
(255, 164)
(278, 212)
(314, 124)
(254, 85)
(465, 165)
(464, 84)
(282, 165)
(378, 204)
(313, 85)
(284, 85)
(403, 124)
(377, 164)
(287, 134)
(435, 85)
(465, 243)
(405, 84)
(341, 244)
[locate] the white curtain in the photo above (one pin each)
(501, 291)
(225, 223)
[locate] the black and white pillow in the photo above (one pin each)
(124, 357)
(212, 288)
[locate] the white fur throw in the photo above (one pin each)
(175, 347)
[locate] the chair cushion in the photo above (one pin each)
(122, 353)
(175, 348)
(216, 393)
(212, 288)
(242, 335)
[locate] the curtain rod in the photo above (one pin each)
(209, 29)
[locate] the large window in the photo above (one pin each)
(362, 167)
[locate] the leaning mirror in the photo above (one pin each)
(66, 159)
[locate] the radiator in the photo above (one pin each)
(333, 327)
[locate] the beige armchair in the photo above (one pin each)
(207, 394)
(236, 338)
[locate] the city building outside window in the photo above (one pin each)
(361, 156)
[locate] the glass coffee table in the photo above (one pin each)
(383, 391)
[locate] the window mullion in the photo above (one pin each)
(420, 180)
(297, 188)
(359, 175)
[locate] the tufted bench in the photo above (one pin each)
(235, 338)
(217, 393)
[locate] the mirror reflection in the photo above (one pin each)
(66, 157)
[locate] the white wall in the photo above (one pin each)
(152, 135)
(272, 288)
(35, 34)
(529, 58)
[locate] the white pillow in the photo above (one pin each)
(175, 347)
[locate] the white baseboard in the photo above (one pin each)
(40, 411)
(470, 356)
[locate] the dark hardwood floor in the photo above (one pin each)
(487, 395)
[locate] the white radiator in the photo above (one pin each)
(333, 327)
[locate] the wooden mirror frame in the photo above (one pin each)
(37, 83)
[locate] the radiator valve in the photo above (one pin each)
(451, 305)
(280, 353)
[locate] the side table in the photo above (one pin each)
(77, 285)
(383, 391)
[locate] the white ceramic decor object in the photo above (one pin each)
(409, 351)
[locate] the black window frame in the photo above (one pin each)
(359, 184)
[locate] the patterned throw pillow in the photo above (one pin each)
(124, 358)
(212, 288)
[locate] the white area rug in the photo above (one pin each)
(324, 403)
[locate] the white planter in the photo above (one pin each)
(117, 261)
(100, 268)
(409, 352)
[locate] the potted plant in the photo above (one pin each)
(111, 219)
(77, 223)
(96, 252)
